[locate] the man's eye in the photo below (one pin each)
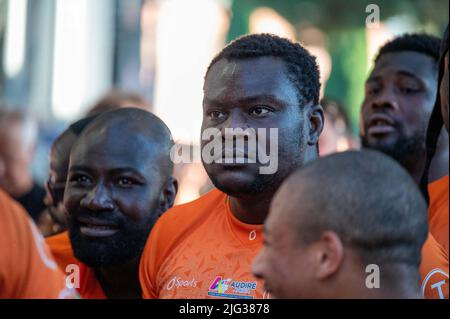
(215, 115)
(372, 91)
(81, 179)
(125, 181)
(408, 90)
(260, 111)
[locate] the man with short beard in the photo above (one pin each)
(399, 98)
(437, 192)
(119, 183)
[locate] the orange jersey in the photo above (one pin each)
(27, 269)
(434, 270)
(438, 211)
(201, 250)
(83, 276)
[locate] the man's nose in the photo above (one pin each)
(235, 120)
(98, 199)
(386, 99)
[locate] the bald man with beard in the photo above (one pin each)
(119, 183)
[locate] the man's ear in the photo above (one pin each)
(316, 122)
(168, 194)
(329, 255)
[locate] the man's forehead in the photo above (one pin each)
(417, 64)
(132, 151)
(250, 78)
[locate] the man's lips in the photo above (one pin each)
(93, 227)
(380, 124)
(234, 157)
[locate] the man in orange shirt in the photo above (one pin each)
(348, 231)
(399, 99)
(27, 269)
(119, 183)
(437, 192)
(204, 249)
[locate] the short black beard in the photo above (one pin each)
(259, 186)
(127, 245)
(404, 150)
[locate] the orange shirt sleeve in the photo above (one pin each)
(27, 269)
(434, 270)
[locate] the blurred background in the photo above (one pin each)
(59, 58)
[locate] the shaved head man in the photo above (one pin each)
(119, 183)
(346, 223)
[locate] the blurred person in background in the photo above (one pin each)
(27, 268)
(116, 99)
(336, 135)
(54, 219)
(18, 134)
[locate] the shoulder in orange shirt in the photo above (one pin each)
(82, 276)
(438, 211)
(27, 269)
(200, 250)
(434, 270)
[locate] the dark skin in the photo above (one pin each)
(257, 93)
(399, 98)
(59, 164)
(114, 196)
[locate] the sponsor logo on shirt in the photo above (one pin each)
(229, 288)
(177, 282)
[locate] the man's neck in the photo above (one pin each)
(120, 282)
(415, 166)
(254, 209)
(251, 210)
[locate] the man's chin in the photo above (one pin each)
(384, 145)
(237, 184)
